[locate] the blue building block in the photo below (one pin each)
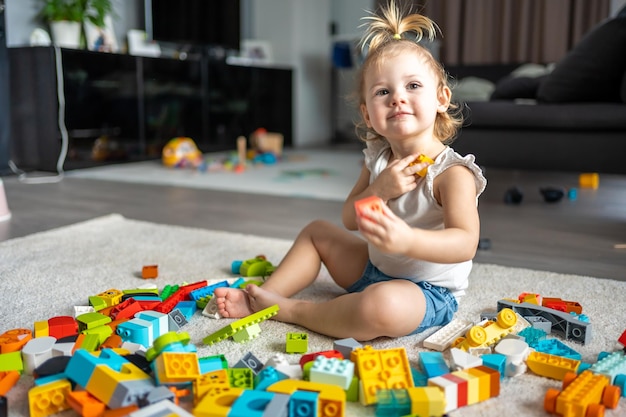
(212, 363)
(303, 404)
(556, 347)
(532, 335)
(433, 364)
(268, 376)
(188, 308)
(136, 331)
(332, 371)
(237, 283)
(251, 403)
(495, 361)
(208, 290)
(420, 379)
(160, 321)
(82, 364)
(393, 403)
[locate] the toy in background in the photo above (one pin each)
(264, 142)
(182, 152)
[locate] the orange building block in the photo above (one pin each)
(150, 271)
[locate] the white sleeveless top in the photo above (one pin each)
(419, 208)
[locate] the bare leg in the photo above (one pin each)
(343, 253)
(393, 308)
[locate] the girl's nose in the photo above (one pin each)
(397, 98)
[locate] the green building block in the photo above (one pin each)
(11, 361)
(297, 343)
(240, 324)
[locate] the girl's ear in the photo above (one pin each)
(366, 116)
(443, 97)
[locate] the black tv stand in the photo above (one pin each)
(122, 108)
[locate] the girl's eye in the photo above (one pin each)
(382, 92)
(413, 86)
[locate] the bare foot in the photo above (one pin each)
(260, 298)
(232, 302)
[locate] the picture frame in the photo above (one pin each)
(101, 39)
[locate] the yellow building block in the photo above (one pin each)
(473, 386)
(381, 369)
(105, 382)
(551, 366)
(176, 367)
(331, 398)
(48, 399)
(427, 401)
(41, 328)
(205, 382)
(217, 402)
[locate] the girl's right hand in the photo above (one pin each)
(397, 178)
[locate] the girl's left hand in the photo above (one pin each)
(385, 230)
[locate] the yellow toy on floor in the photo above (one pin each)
(182, 152)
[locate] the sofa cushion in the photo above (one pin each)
(510, 88)
(592, 70)
(498, 114)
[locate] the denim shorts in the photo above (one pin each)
(440, 302)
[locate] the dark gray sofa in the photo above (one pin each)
(570, 119)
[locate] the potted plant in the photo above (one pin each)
(66, 18)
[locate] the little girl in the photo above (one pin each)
(411, 263)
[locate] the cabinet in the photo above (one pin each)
(122, 108)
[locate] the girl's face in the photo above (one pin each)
(403, 96)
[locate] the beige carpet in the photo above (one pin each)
(46, 274)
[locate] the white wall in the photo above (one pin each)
(616, 5)
(298, 31)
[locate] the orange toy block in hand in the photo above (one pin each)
(422, 158)
(373, 203)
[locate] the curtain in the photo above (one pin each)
(509, 31)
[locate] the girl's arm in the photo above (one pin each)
(457, 242)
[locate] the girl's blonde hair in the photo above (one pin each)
(394, 31)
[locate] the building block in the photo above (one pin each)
(176, 367)
(610, 366)
(459, 359)
(563, 324)
(212, 363)
(62, 326)
(532, 335)
(489, 380)
(240, 324)
(247, 333)
(433, 364)
(562, 305)
(251, 403)
(36, 352)
(388, 368)
(278, 406)
(176, 319)
(443, 338)
(346, 346)
(372, 203)
(160, 323)
(422, 158)
(8, 379)
(49, 399)
(14, 340)
(582, 395)
(453, 388)
(121, 388)
(211, 309)
(240, 378)
(515, 351)
(82, 364)
(331, 398)
(473, 386)
(540, 323)
(161, 409)
(305, 404)
(393, 402)
(490, 332)
(267, 377)
(40, 328)
(210, 381)
(256, 267)
(217, 402)
(551, 366)
(136, 331)
(111, 297)
(622, 339)
(188, 308)
(297, 343)
(309, 357)
(85, 404)
(11, 361)
(250, 361)
(199, 293)
(150, 271)
(332, 371)
(426, 401)
(556, 347)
